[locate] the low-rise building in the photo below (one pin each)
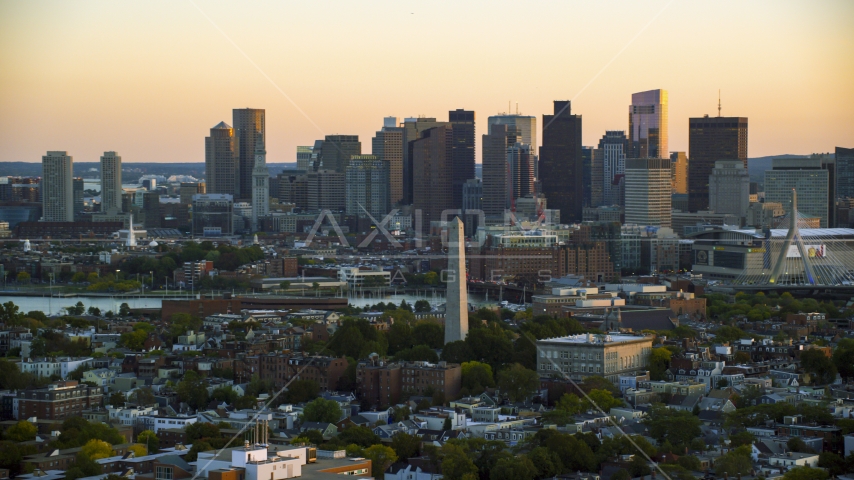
(58, 401)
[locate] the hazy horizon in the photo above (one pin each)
(149, 80)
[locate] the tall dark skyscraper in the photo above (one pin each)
(412, 130)
(711, 139)
(844, 172)
(222, 160)
(594, 174)
(387, 145)
(561, 177)
(463, 153)
(431, 155)
(497, 187)
(248, 124)
(337, 150)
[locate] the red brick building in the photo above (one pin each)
(58, 401)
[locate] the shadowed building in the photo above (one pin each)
(413, 128)
(249, 124)
(387, 145)
(336, 152)
(561, 176)
(111, 181)
(222, 160)
(432, 168)
(711, 139)
(57, 187)
(463, 151)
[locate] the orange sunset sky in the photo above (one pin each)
(149, 79)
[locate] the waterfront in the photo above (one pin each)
(52, 305)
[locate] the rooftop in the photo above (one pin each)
(589, 338)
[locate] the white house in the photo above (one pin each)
(60, 366)
(794, 459)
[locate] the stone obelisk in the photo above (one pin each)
(457, 302)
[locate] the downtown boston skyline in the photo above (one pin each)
(150, 80)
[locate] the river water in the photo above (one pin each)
(52, 305)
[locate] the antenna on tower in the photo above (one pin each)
(508, 106)
(517, 108)
(719, 102)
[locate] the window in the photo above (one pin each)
(163, 473)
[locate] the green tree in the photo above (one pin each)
(430, 333)
(805, 473)
(843, 358)
(547, 463)
(456, 463)
(285, 285)
(23, 431)
(192, 390)
(689, 462)
(22, 277)
(513, 468)
(142, 396)
(124, 310)
(743, 438)
(518, 382)
(94, 311)
(83, 466)
(322, 410)
(736, 462)
(117, 399)
(200, 446)
(358, 435)
(659, 362)
(819, 366)
(381, 458)
(675, 426)
(201, 431)
(150, 440)
(300, 391)
(405, 445)
(795, 444)
(570, 403)
(603, 399)
(422, 306)
(96, 449)
(476, 376)
(77, 309)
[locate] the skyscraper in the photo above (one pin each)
(368, 187)
(57, 187)
(711, 139)
(111, 181)
(304, 157)
(729, 188)
(412, 130)
(648, 125)
(648, 191)
(249, 123)
(844, 172)
(432, 168)
(387, 145)
(594, 174)
(497, 178)
(520, 161)
(678, 172)
(462, 153)
(808, 178)
(260, 184)
(337, 150)
(526, 126)
(560, 162)
(615, 147)
(222, 160)
(77, 187)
